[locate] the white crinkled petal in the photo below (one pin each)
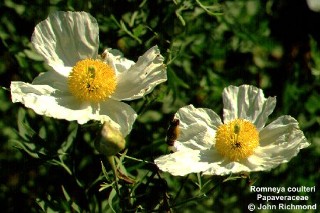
(251, 164)
(141, 78)
(247, 102)
(225, 168)
(218, 165)
(265, 159)
(52, 79)
(115, 58)
(281, 140)
(66, 37)
(210, 162)
(197, 128)
(121, 113)
(185, 162)
(45, 100)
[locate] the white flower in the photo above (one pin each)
(83, 85)
(314, 5)
(241, 143)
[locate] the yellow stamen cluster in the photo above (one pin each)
(237, 139)
(92, 80)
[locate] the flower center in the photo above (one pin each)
(92, 80)
(237, 139)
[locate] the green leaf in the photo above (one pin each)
(25, 131)
(139, 30)
(69, 200)
(71, 137)
(104, 171)
(112, 195)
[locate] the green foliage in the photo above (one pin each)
(51, 165)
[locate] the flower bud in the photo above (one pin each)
(111, 141)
